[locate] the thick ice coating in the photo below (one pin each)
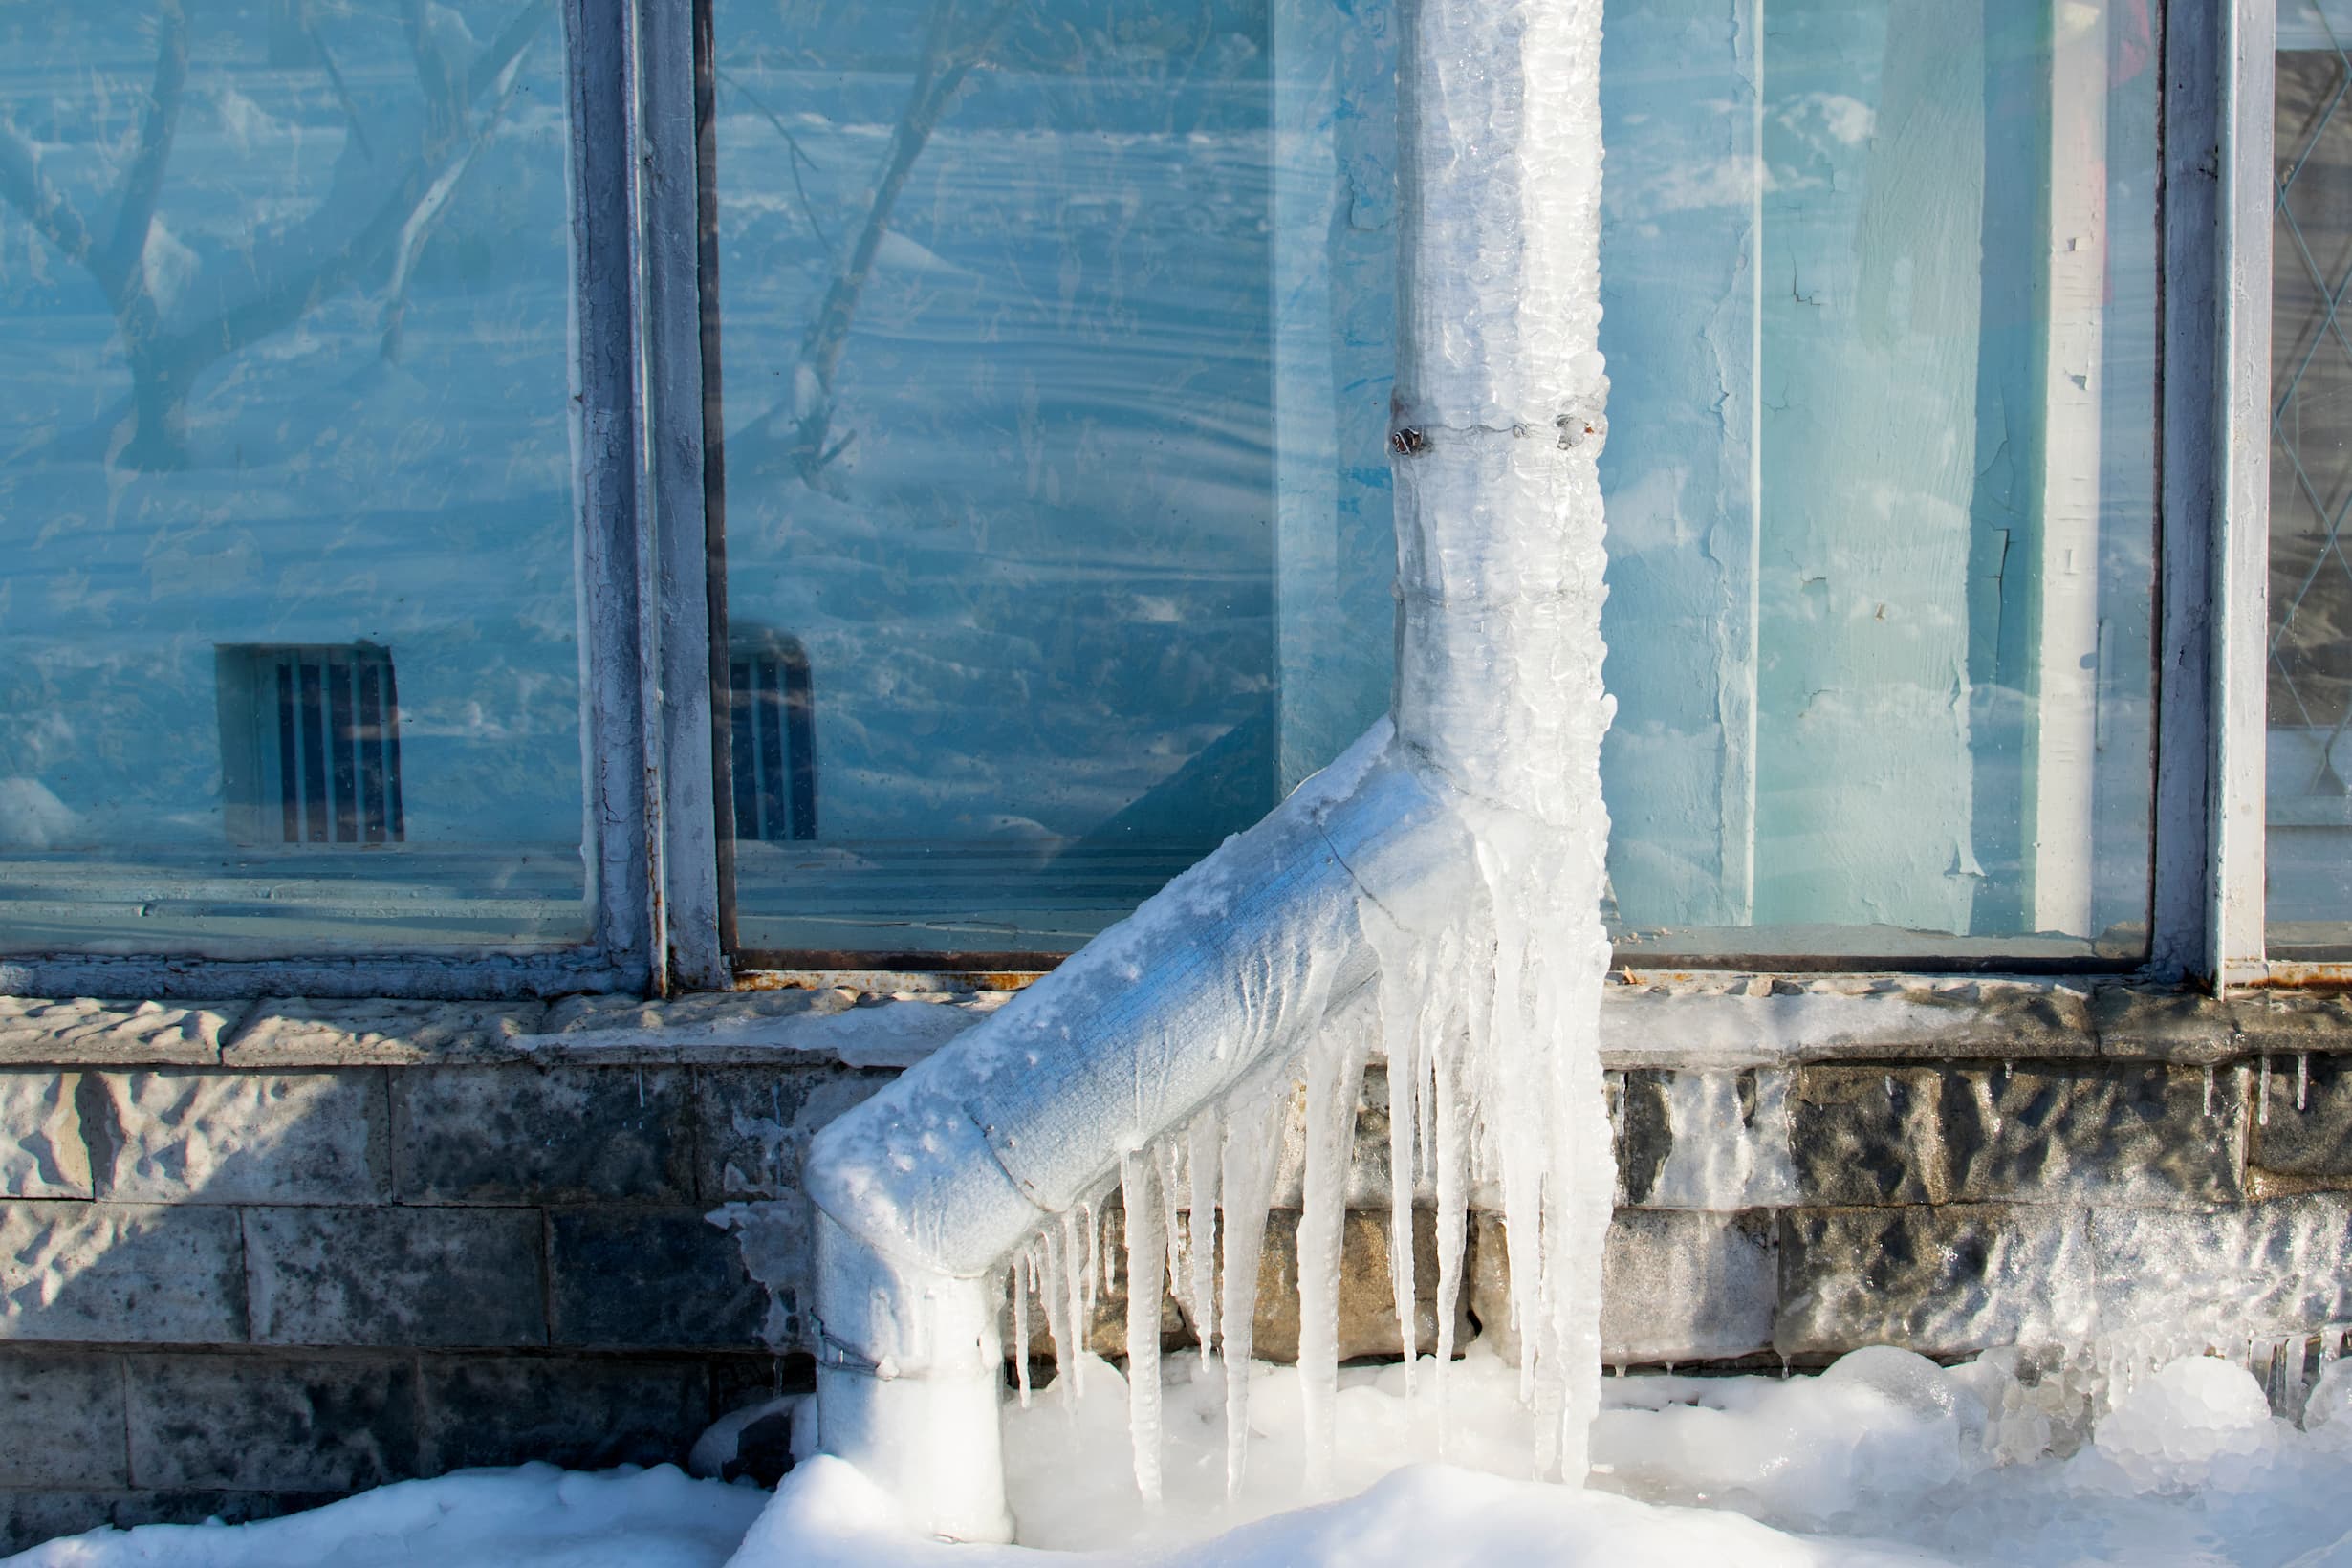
(1446, 873)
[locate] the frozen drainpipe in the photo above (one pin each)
(1483, 789)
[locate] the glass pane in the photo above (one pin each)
(289, 650)
(1057, 526)
(1057, 342)
(1879, 284)
(2310, 893)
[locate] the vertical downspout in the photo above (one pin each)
(1491, 774)
(1500, 420)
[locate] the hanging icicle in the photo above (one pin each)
(1139, 1192)
(1252, 1127)
(1335, 1078)
(1203, 1155)
(1076, 1276)
(1050, 1246)
(1024, 1276)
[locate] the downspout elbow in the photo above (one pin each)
(923, 1191)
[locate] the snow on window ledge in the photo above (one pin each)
(888, 1022)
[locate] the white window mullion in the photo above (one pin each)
(2241, 547)
(2208, 841)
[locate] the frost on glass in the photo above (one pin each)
(1058, 343)
(1879, 281)
(2310, 668)
(289, 655)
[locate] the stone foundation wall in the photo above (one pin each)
(256, 1256)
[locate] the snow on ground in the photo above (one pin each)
(536, 1517)
(1885, 1459)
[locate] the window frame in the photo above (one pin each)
(651, 540)
(620, 807)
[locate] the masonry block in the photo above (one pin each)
(395, 1276)
(752, 1124)
(2277, 1265)
(122, 1273)
(1868, 1135)
(271, 1423)
(61, 1419)
(510, 1134)
(688, 1016)
(1368, 1178)
(1944, 1280)
(2304, 1125)
(1645, 1132)
(309, 1032)
(42, 1154)
(1677, 1285)
(2287, 1022)
(741, 1379)
(2116, 1133)
(2160, 1026)
(1680, 1285)
(581, 1412)
(175, 1136)
(1367, 1185)
(1715, 1139)
(1368, 1299)
(1732, 1018)
(29, 1515)
(81, 1031)
(644, 1278)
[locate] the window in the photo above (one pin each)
(930, 486)
(1880, 320)
(283, 386)
(2309, 755)
(1055, 352)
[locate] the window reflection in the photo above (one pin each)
(284, 308)
(1053, 432)
(1056, 346)
(1880, 288)
(2310, 668)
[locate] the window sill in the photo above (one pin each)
(1697, 1021)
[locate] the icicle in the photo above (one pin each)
(1171, 1222)
(1088, 1260)
(1541, 1070)
(1139, 1191)
(2209, 1089)
(1433, 1021)
(1252, 1138)
(1205, 1154)
(1024, 1273)
(1335, 1078)
(1057, 1323)
(2262, 1104)
(1075, 1278)
(2303, 1081)
(1403, 1037)
(1450, 1155)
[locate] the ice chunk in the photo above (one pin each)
(2187, 1419)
